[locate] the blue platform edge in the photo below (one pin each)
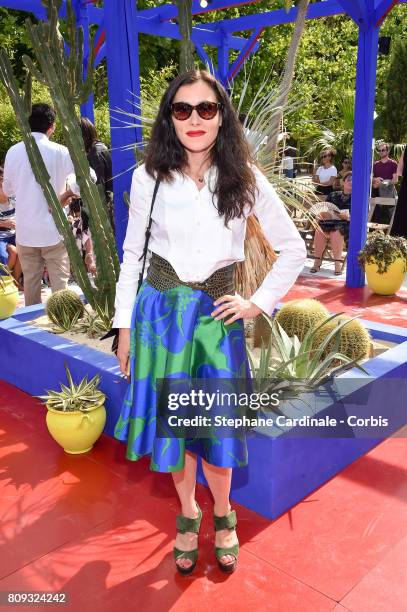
(282, 470)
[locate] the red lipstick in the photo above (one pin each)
(195, 133)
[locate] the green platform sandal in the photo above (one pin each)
(229, 521)
(185, 524)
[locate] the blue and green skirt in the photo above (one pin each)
(173, 335)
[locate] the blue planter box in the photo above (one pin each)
(282, 469)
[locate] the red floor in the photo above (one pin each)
(101, 528)
(355, 302)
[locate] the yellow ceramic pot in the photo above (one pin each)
(76, 431)
(8, 297)
(389, 282)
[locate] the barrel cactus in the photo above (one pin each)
(64, 308)
(354, 342)
(297, 317)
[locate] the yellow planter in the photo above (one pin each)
(389, 282)
(8, 297)
(76, 431)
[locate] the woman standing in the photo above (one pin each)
(187, 320)
(100, 160)
(325, 174)
(399, 227)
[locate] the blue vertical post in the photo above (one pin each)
(223, 59)
(123, 73)
(362, 148)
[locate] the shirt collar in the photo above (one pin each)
(39, 135)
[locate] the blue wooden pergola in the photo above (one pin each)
(120, 22)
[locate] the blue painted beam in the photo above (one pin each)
(382, 10)
(362, 150)
(223, 59)
(169, 11)
(123, 75)
(251, 46)
(353, 9)
(203, 35)
(82, 18)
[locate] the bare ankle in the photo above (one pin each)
(222, 509)
(190, 509)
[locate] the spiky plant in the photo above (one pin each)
(6, 275)
(93, 324)
(64, 308)
(83, 396)
(354, 339)
(297, 317)
(312, 364)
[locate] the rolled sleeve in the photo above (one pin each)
(284, 237)
(126, 288)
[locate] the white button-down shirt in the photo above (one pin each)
(188, 231)
(35, 225)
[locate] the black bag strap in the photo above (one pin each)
(148, 234)
(113, 331)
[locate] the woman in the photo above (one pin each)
(333, 225)
(8, 249)
(399, 227)
(325, 174)
(100, 160)
(346, 167)
(208, 185)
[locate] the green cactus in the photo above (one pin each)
(62, 74)
(297, 317)
(64, 308)
(355, 341)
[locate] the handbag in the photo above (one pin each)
(114, 332)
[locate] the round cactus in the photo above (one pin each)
(297, 317)
(64, 308)
(355, 340)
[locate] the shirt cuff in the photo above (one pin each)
(264, 299)
(122, 318)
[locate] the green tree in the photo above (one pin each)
(396, 89)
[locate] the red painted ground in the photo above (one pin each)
(101, 528)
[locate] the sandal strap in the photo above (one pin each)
(192, 555)
(229, 521)
(192, 525)
(232, 550)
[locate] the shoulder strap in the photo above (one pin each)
(148, 233)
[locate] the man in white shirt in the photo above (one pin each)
(38, 240)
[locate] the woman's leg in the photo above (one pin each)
(337, 242)
(219, 480)
(185, 482)
(14, 262)
(320, 240)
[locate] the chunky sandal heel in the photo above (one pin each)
(314, 268)
(185, 524)
(229, 521)
(338, 272)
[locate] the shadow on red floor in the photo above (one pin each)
(101, 528)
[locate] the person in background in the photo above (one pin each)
(8, 251)
(384, 171)
(287, 165)
(38, 241)
(325, 174)
(100, 160)
(334, 225)
(399, 227)
(346, 167)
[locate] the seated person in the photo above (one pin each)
(346, 167)
(325, 175)
(8, 250)
(333, 225)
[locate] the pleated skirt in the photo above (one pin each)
(173, 335)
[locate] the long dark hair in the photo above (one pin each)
(89, 133)
(236, 184)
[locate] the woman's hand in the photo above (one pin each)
(8, 223)
(123, 350)
(345, 215)
(236, 306)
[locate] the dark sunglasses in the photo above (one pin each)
(206, 110)
(383, 150)
(327, 155)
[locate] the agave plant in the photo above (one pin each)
(300, 363)
(6, 275)
(94, 323)
(82, 397)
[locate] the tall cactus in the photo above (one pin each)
(62, 73)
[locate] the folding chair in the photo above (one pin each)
(384, 227)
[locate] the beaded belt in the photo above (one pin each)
(162, 276)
